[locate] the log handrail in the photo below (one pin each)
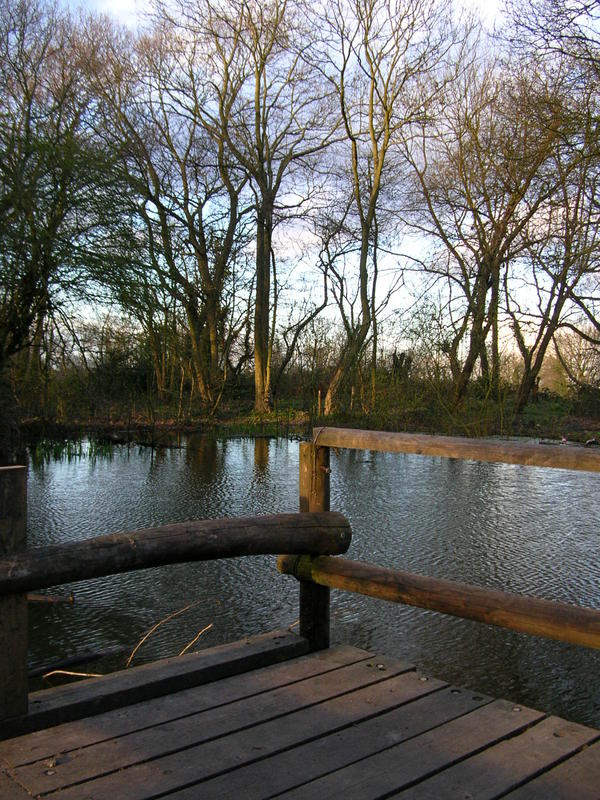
(532, 615)
(574, 457)
(199, 540)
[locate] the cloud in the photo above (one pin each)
(127, 12)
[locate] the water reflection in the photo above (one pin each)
(522, 529)
(202, 457)
(261, 457)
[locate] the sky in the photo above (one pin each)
(128, 11)
(125, 11)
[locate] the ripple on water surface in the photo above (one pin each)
(517, 528)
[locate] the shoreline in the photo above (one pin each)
(566, 429)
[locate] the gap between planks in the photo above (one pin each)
(217, 740)
(50, 707)
(140, 716)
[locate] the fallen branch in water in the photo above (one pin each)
(74, 674)
(147, 635)
(71, 661)
(195, 639)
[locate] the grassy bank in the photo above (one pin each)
(550, 417)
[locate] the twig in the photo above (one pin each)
(195, 639)
(76, 674)
(71, 661)
(154, 627)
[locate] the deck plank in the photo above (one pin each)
(422, 711)
(39, 745)
(78, 700)
(503, 767)
(176, 746)
(341, 723)
(9, 790)
(50, 707)
(578, 777)
(424, 755)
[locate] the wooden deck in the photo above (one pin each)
(260, 719)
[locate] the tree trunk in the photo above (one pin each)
(525, 388)
(199, 359)
(480, 327)
(262, 388)
(493, 313)
(345, 367)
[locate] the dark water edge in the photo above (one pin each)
(521, 529)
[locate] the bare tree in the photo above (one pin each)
(482, 172)
(558, 29)
(578, 353)
(55, 178)
(375, 55)
(152, 88)
(266, 110)
(561, 253)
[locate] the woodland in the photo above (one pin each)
(372, 210)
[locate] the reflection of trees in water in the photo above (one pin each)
(157, 459)
(261, 456)
(496, 525)
(201, 456)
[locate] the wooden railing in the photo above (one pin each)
(573, 457)
(308, 540)
(317, 575)
(22, 570)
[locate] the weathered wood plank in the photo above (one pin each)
(531, 615)
(13, 610)
(9, 790)
(501, 768)
(578, 458)
(77, 700)
(424, 755)
(353, 726)
(195, 763)
(427, 708)
(198, 540)
(70, 736)
(578, 777)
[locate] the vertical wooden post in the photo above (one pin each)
(314, 496)
(13, 608)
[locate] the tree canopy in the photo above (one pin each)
(260, 187)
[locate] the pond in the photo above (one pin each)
(522, 529)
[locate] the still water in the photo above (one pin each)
(522, 529)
